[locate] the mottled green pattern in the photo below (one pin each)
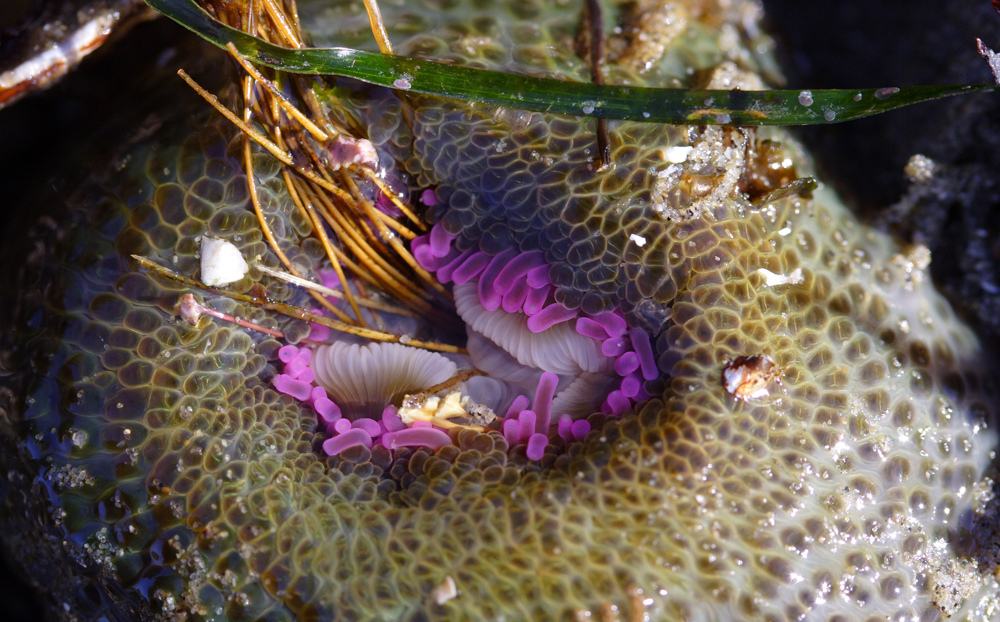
(156, 456)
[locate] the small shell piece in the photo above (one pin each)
(221, 262)
(445, 591)
(747, 377)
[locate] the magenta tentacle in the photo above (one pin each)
(489, 297)
(627, 363)
(519, 404)
(580, 429)
(543, 401)
(589, 328)
(368, 425)
(618, 402)
(444, 273)
(470, 268)
(337, 444)
(416, 437)
(535, 300)
(286, 354)
(290, 386)
(391, 419)
(640, 342)
(516, 268)
(512, 431)
(318, 333)
(529, 421)
(613, 323)
(631, 385)
(296, 366)
(327, 410)
(306, 375)
(549, 317)
(539, 276)
(536, 446)
(440, 240)
(316, 394)
(513, 300)
(613, 346)
(564, 427)
(429, 198)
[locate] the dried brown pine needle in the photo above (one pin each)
(378, 26)
(398, 246)
(362, 240)
(326, 291)
(387, 191)
(298, 312)
(248, 129)
(336, 257)
(283, 25)
(392, 280)
(290, 109)
(262, 219)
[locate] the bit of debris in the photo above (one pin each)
(421, 408)
(920, 169)
(221, 262)
(677, 154)
(445, 591)
(344, 151)
(991, 57)
(771, 279)
(747, 377)
(444, 412)
(190, 310)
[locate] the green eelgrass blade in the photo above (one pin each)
(679, 106)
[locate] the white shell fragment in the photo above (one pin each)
(445, 591)
(771, 279)
(221, 262)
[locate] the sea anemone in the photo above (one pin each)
(364, 379)
(356, 391)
